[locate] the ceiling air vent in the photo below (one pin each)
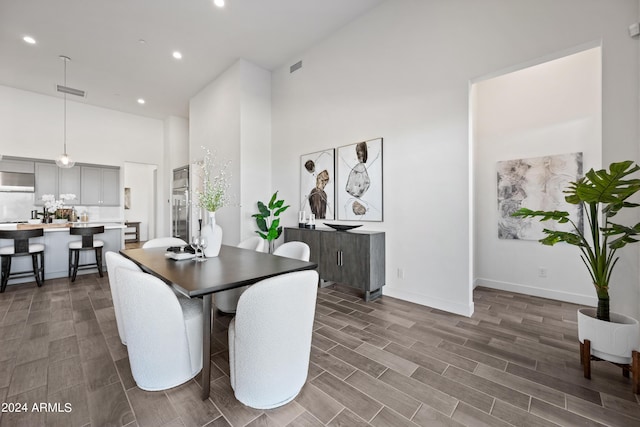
(295, 67)
(70, 91)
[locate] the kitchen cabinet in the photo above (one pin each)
(20, 166)
(46, 181)
(355, 258)
(50, 179)
(69, 182)
(100, 186)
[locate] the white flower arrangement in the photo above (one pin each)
(52, 205)
(215, 188)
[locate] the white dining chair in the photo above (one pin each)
(114, 261)
(255, 243)
(164, 341)
(270, 339)
(163, 242)
(297, 250)
(227, 301)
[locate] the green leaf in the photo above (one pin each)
(263, 210)
(264, 236)
(262, 224)
(273, 200)
(275, 224)
(279, 232)
(279, 211)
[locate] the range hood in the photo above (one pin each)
(17, 182)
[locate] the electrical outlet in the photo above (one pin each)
(542, 272)
(400, 273)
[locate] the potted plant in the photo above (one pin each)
(602, 194)
(213, 195)
(268, 220)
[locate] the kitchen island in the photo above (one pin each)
(56, 253)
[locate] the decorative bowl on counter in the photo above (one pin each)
(34, 221)
(60, 221)
(342, 227)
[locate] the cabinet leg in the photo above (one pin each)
(372, 295)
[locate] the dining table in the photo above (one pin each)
(232, 268)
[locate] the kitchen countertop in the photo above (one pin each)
(61, 227)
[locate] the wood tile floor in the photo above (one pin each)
(386, 363)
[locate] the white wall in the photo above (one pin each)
(231, 117)
(176, 154)
(402, 72)
(140, 179)
(255, 148)
(546, 109)
(32, 126)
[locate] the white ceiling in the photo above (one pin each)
(115, 69)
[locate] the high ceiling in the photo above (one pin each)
(121, 50)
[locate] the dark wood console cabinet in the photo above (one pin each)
(353, 258)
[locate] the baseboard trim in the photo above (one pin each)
(440, 304)
(591, 301)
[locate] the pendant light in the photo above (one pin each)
(63, 160)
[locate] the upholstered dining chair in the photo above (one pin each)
(297, 250)
(163, 341)
(270, 339)
(227, 301)
(114, 261)
(163, 242)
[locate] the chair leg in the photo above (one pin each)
(42, 265)
(6, 268)
(76, 261)
(99, 260)
(36, 270)
(70, 262)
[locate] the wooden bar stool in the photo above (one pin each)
(21, 247)
(87, 243)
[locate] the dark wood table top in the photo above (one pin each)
(232, 268)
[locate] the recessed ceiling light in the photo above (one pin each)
(29, 39)
(141, 101)
(177, 55)
(219, 3)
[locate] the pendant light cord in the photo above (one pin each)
(65, 107)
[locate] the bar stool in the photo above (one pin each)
(21, 247)
(87, 243)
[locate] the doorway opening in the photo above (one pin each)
(140, 183)
(552, 108)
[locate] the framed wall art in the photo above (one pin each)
(359, 181)
(536, 183)
(317, 184)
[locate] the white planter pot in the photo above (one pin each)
(613, 341)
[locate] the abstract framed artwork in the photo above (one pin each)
(359, 181)
(536, 183)
(317, 184)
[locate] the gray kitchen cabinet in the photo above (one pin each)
(50, 179)
(46, 181)
(355, 258)
(100, 186)
(69, 182)
(20, 166)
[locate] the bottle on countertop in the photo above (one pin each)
(84, 217)
(73, 217)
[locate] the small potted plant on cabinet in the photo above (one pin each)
(602, 194)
